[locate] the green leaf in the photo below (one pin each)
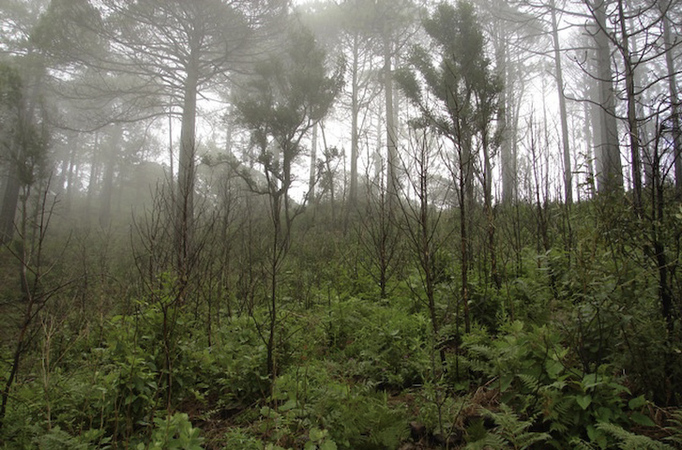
(637, 402)
(268, 412)
(603, 414)
(315, 434)
(554, 368)
(641, 419)
(505, 382)
(328, 445)
(583, 400)
(597, 436)
(289, 405)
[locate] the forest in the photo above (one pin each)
(340, 224)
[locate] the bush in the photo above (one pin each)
(354, 415)
(173, 433)
(539, 380)
(380, 345)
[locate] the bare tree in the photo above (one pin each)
(422, 202)
(290, 93)
(33, 270)
(456, 96)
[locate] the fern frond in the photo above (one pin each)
(530, 382)
(579, 444)
(486, 351)
(514, 430)
(675, 429)
(632, 441)
(489, 442)
(558, 427)
(527, 439)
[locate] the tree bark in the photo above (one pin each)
(94, 175)
(568, 175)
(312, 181)
(595, 114)
(633, 127)
(353, 193)
(589, 154)
(674, 100)
(508, 162)
(391, 144)
(611, 176)
(73, 142)
(10, 201)
(108, 179)
(464, 247)
(186, 163)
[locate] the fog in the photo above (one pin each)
(344, 223)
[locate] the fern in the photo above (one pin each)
(57, 439)
(556, 409)
(675, 429)
(631, 441)
(530, 382)
(579, 444)
(488, 442)
(480, 358)
(514, 430)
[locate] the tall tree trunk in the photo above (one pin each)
(611, 176)
(312, 181)
(108, 179)
(391, 144)
(674, 97)
(377, 157)
(185, 196)
(568, 175)
(589, 154)
(633, 128)
(18, 172)
(10, 201)
(464, 244)
(73, 143)
(508, 162)
(597, 132)
(274, 266)
(353, 193)
(94, 175)
(488, 207)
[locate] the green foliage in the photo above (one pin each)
(234, 371)
(537, 378)
(353, 371)
(173, 433)
(23, 142)
(515, 431)
(353, 415)
(510, 432)
(58, 439)
(487, 441)
(59, 34)
(238, 438)
(461, 79)
(525, 359)
(630, 441)
(11, 87)
(385, 347)
(319, 440)
(675, 428)
(290, 92)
